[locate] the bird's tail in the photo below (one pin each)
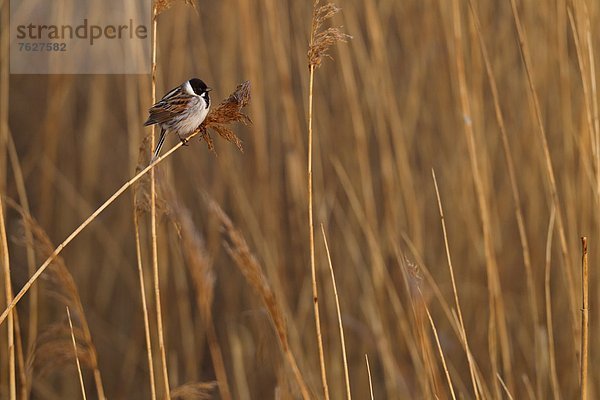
(161, 141)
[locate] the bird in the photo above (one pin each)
(181, 110)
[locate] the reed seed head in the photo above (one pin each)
(322, 40)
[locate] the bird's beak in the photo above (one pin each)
(208, 89)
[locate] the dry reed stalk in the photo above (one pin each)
(239, 366)
(12, 382)
(339, 316)
(4, 134)
(216, 355)
(380, 278)
(532, 296)
(524, 50)
(33, 297)
(249, 267)
(584, 318)
(439, 347)
(528, 387)
(282, 64)
(369, 375)
(412, 279)
(251, 57)
(433, 285)
(360, 130)
(148, 337)
(4, 87)
(420, 355)
(430, 380)
(510, 397)
(463, 333)
(497, 317)
(229, 111)
(548, 298)
(22, 369)
(588, 79)
(451, 314)
(312, 241)
(153, 234)
(585, 83)
(385, 348)
(320, 42)
(594, 95)
(61, 87)
(391, 171)
(589, 91)
(376, 253)
(76, 354)
(455, 324)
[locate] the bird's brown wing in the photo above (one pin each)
(169, 107)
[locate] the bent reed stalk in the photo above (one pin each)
(227, 112)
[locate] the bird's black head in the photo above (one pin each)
(198, 86)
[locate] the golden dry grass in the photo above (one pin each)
(469, 287)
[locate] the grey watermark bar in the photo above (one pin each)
(80, 36)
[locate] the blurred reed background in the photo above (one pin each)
(409, 93)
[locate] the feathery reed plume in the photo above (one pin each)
(55, 349)
(163, 5)
(194, 391)
(228, 112)
(320, 42)
(63, 288)
(249, 267)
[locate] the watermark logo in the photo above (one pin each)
(80, 36)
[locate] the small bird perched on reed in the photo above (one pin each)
(181, 110)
